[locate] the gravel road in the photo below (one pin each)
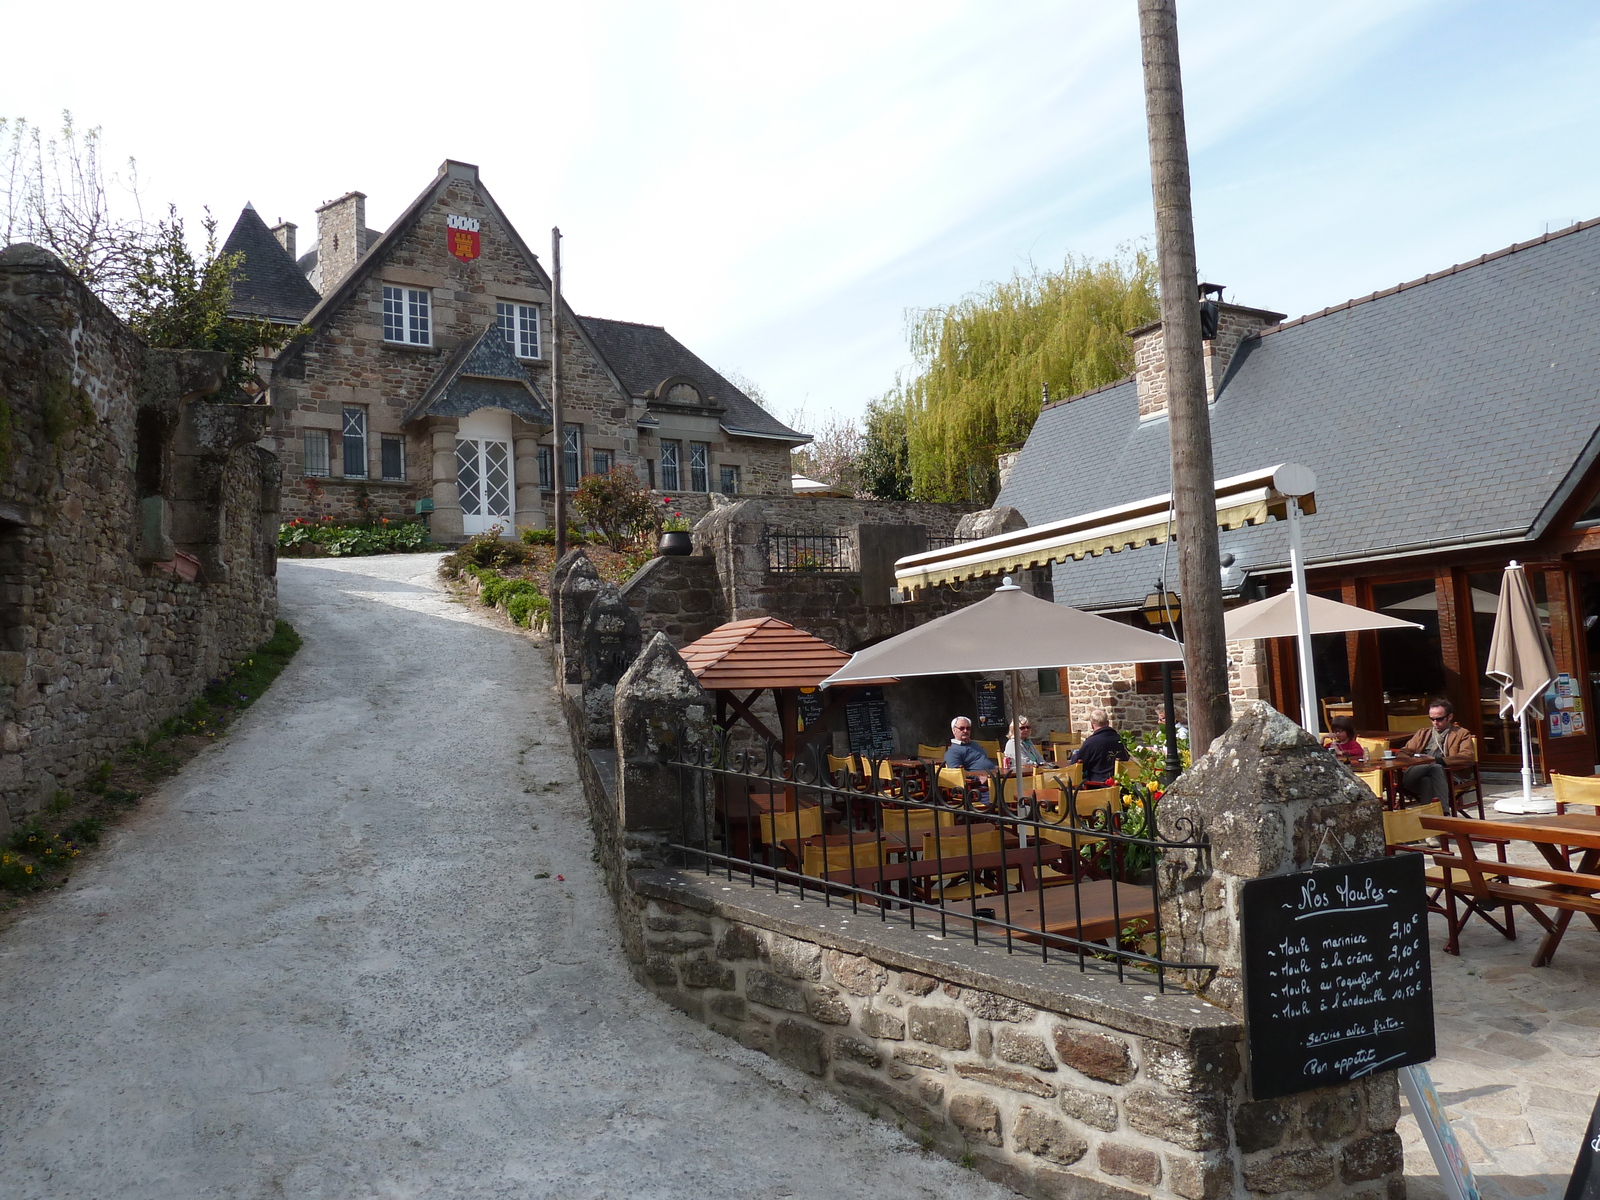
(335, 957)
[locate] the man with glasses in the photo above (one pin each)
(963, 752)
(1443, 744)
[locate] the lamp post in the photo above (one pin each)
(1161, 608)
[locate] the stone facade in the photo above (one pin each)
(138, 531)
(348, 365)
(1115, 687)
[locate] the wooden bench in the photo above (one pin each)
(1561, 886)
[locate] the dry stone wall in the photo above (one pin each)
(138, 531)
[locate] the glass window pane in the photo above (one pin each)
(573, 458)
(394, 458)
(1410, 660)
(316, 451)
(547, 468)
(669, 465)
(355, 443)
(699, 477)
(394, 325)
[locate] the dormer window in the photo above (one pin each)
(683, 393)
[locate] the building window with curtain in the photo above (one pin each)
(394, 458)
(670, 452)
(699, 467)
(573, 458)
(355, 443)
(315, 442)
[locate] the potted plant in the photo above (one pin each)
(675, 538)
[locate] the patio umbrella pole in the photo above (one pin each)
(1016, 737)
(1302, 621)
(1527, 761)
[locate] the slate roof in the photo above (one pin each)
(268, 284)
(646, 356)
(1462, 408)
(482, 372)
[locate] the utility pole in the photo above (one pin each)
(1189, 425)
(559, 449)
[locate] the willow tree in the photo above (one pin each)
(984, 363)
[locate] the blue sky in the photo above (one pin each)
(778, 185)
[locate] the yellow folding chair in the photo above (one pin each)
(1576, 789)
(790, 826)
(936, 847)
(913, 823)
(992, 749)
(924, 750)
(1375, 748)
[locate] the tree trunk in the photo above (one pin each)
(1189, 424)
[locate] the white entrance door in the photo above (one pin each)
(484, 480)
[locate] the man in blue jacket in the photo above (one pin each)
(963, 752)
(1101, 751)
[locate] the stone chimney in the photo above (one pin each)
(341, 239)
(284, 232)
(1235, 324)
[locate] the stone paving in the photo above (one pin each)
(1518, 1067)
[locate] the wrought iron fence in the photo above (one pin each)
(942, 541)
(809, 553)
(1066, 873)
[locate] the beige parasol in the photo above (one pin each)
(1521, 663)
(1274, 618)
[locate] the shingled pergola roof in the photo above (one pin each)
(763, 652)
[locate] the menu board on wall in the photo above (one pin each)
(991, 703)
(866, 720)
(1338, 983)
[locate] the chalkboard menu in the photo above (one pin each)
(1337, 978)
(1585, 1181)
(811, 704)
(866, 720)
(991, 703)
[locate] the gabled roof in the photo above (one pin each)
(763, 652)
(1462, 409)
(378, 249)
(646, 356)
(482, 372)
(268, 283)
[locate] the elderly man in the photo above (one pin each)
(1443, 744)
(1101, 751)
(963, 752)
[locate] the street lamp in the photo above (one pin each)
(1161, 608)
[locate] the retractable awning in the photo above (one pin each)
(1249, 499)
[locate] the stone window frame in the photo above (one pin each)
(699, 467)
(671, 465)
(354, 429)
(407, 315)
(316, 462)
(385, 441)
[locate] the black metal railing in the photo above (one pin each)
(1067, 873)
(943, 541)
(809, 553)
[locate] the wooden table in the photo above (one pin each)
(1394, 770)
(1086, 916)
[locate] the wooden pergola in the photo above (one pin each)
(758, 655)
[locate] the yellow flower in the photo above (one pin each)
(28, 870)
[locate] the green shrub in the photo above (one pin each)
(522, 598)
(344, 539)
(618, 506)
(547, 537)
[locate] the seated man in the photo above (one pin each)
(1447, 745)
(962, 751)
(1101, 751)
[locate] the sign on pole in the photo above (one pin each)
(1455, 1174)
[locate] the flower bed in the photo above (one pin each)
(306, 537)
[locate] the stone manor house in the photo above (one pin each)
(424, 373)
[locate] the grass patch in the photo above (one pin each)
(39, 854)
